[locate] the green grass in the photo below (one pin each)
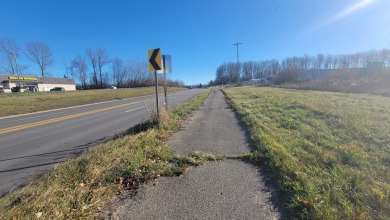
(81, 187)
(28, 102)
(330, 152)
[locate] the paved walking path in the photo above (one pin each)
(214, 129)
(229, 189)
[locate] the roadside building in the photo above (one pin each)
(34, 83)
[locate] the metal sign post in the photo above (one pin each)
(167, 68)
(156, 79)
(154, 57)
(165, 85)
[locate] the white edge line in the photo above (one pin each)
(135, 109)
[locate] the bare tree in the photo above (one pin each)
(296, 69)
(320, 61)
(233, 72)
(275, 67)
(67, 68)
(138, 74)
(107, 79)
(306, 62)
(247, 69)
(220, 75)
(102, 59)
(335, 62)
(93, 61)
(385, 56)
(3, 65)
(10, 50)
(78, 69)
(40, 54)
(118, 71)
(328, 62)
(257, 71)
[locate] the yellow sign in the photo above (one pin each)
(24, 78)
(154, 57)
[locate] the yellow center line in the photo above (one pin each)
(49, 121)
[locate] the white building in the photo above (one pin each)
(36, 83)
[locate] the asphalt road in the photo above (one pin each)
(228, 189)
(32, 143)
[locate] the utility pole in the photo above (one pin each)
(237, 44)
(238, 61)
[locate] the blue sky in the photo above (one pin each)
(198, 34)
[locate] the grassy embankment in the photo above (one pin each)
(330, 152)
(79, 188)
(28, 102)
(377, 83)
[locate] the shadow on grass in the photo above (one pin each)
(139, 128)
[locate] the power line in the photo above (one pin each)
(259, 26)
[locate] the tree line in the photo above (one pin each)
(90, 69)
(294, 67)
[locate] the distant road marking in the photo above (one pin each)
(49, 121)
(135, 109)
(40, 116)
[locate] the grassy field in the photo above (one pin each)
(80, 188)
(20, 103)
(330, 152)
